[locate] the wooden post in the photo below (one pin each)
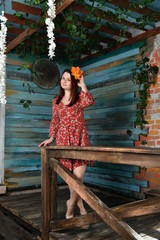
(53, 196)
(45, 193)
(123, 229)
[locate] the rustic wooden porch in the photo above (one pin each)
(109, 217)
(22, 219)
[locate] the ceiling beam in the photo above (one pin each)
(13, 19)
(29, 31)
(138, 38)
(104, 29)
(17, 6)
(126, 4)
(104, 15)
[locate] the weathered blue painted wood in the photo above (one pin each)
(111, 75)
(108, 188)
(112, 56)
(17, 69)
(13, 94)
(25, 123)
(26, 130)
(22, 142)
(124, 66)
(112, 177)
(33, 109)
(23, 150)
(124, 167)
(112, 137)
(18, 86)
(20, 159)
(112, 143)
(17, 116)
(109, 170)
(106, 182)
(106, 124)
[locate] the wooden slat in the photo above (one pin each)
(131, 156)
(127, 4)
(110, 65)
(29, 31)
(17, 6)
(124, 230)
(14, 19)
(134, 209)
(104, 15)
(105, 30)
(138, 38)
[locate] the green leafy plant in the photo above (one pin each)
(80, 41)
(26, 103)
(140, 77)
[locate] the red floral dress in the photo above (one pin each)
(68, 127)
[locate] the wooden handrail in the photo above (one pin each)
(51, 167)
(132, 156)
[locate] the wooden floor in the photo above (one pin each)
(22, 214)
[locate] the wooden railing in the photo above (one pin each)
(50, 167)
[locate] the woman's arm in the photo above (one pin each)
(85, 97)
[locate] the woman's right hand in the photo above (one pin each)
(46, 142)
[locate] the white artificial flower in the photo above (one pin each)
(50, 27)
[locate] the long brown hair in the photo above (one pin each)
(74, 89)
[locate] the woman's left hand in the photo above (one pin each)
(82, 84)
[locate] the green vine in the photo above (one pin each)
(77, 33)
(140, 77)
(72, 25)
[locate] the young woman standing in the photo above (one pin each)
(68, 128)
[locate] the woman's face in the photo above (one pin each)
(66, 81)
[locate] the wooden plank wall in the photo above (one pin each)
(25, 128)
(109, 79)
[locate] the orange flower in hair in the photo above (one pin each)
(76, 72)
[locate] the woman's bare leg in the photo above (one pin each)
(79, 173)
(74, 197)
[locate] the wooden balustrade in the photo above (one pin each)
(111, 216)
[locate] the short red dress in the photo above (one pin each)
(68, 127)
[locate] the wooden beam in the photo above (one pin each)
(131, 156)
(29, 31)
(104, 15)
(15, 31)
(123, 229)
(14, 19)
(17, 6)
(126, 4)
(105, 30)
(138, 38)
(134, 209)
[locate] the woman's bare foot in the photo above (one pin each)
(70, 210)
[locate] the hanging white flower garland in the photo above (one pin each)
(3, 34)
(50, 27)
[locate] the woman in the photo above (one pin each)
(68, 128)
